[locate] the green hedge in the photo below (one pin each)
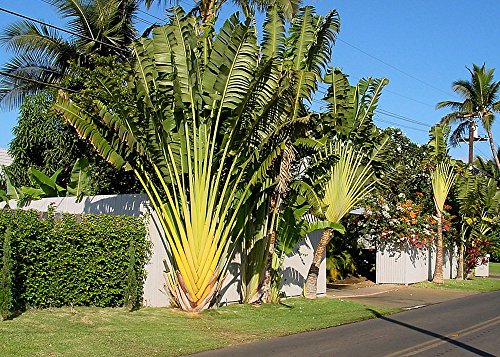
(74, 260)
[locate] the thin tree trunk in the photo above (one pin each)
(460, 272)
(438, 270)
(311, 286)
(492, 146)
(266, 286)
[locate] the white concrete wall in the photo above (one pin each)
(411, 265)
(296, 265)
(482, 269)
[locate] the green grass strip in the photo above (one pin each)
(477, 284)
(85, 331)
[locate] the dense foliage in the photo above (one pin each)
(44, 141)
(73, 259)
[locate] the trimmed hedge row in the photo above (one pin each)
(72, 260)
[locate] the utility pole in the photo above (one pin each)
(473, 137)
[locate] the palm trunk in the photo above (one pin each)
(311, 286)
(266, 286)
(438, 270)
(207, 11)
(460, 272)
(492, 146)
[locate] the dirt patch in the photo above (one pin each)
(351, 282)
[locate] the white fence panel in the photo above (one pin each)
(411, 265)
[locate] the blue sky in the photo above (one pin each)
(420, 46)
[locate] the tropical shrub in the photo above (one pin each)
(6, 288)
(72, 260)
(400, 222)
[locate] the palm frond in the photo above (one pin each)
(442, 178)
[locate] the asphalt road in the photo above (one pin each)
(468, 326)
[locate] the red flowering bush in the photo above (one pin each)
(476, 253)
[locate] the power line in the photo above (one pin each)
(58, 28)
(482, 152)
(153, 16)
(402, 117)
(145, 21)
(398, 125)
(399, 94)
(393, 67)
(390, 114)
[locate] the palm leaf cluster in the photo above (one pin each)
(43, 54)
(442, 179)
(480, 103)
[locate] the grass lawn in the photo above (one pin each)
(495, 268)
(84, 331)
(476, 284)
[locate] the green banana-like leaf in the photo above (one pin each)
(367, 95)
(302, 36)
(87, 130)
(273, 39)
(338, 98)
(32, 193)
(13, 193)
(232, 63)
(47, 184)
(79, 184)
(320, 51)
(437, 142)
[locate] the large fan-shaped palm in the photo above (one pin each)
(480, 102)
(303, 54)
(42, 55)
(203, 129)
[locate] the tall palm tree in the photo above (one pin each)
(480, 103)
(43, 55)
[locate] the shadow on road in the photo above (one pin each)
(433, 334)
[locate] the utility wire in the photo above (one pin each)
(398, 125)
(485, 156)
(394, 67)
(402, 117)
(397, 94)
